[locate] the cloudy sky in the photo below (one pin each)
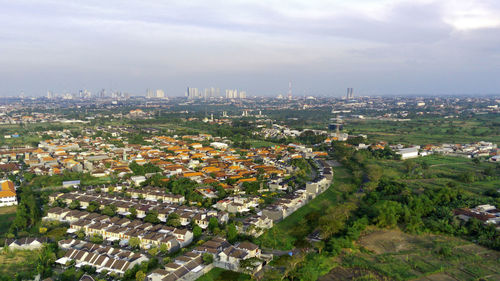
(400, 47)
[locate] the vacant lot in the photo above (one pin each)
(219, 274)
(341, 273)
(7, 214)
(429, 130)
(438, 171)
(402, 256)
(12, 262)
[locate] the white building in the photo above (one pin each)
(407, 153)
(219, 145)
(7, 193)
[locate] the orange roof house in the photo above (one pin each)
(192, 174)
(247, 180)
(8, 185)
(8, 190)
(210, 169)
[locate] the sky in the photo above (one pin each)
(377, 47)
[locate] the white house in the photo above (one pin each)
(7, 193)
(137, 180)
(25, 243)
(219, 145)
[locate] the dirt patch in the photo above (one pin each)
(479, 250)
(341, 274)
(387, 241)
(8, 210)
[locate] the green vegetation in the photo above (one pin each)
(219, 274)
(298, 225)
(143, 169)
(57, 180)
(403, 257)
(7, 215)
(17, 264)
(28, 212)
(391, 194)
(425, 130)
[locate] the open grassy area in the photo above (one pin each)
(284, 234)
(219, 274)
(260, 143)
(429, 130)
(402, 256)
(438, 171)
(7, 214)
(13, 262)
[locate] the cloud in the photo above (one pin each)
(174, 43)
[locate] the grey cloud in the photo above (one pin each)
(133, 45)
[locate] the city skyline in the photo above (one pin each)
(324, 47)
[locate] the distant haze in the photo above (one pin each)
(323, 47)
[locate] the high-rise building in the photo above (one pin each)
(160, 94)
(193, 93)
(290, 90)
(150, 94)
(231, 94)
(350, 94)
(101, 94)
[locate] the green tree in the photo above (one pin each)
(476, 161)
(28, 211)
(207, 258)
(173, 219)
(70, 274)
(80, 234)
(134, 242)
(93, 206)
(109, 210)
(133, 213)
(45, 260)
(75, 204)
(232, 233)
(153, 251)
(334, 218)
(197, 231)
(213, 223)
(163, 248)
(388, 213)
(96, 238)
(140, 276)
(467, 177)
(152, 217)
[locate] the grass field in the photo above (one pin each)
(219, 274)
(12, 262)
(283, 235)
(7, 214)
(429, 130)
(442, 170)
(402, 256)
(260, 143)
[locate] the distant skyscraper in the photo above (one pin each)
(193, 93)
(290, 90)
(350, 94)
(231, 94)
(150, 94)
(102, 94)
(160, 94)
